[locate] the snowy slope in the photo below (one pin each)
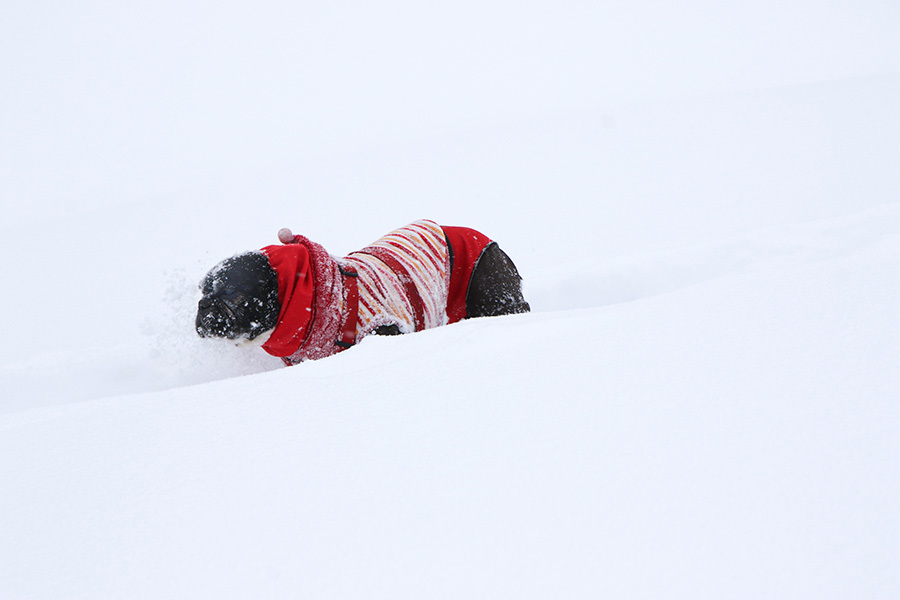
(703, 201)
(733, 438)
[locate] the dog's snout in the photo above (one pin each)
(210, 323)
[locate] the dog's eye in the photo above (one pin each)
(233, 298)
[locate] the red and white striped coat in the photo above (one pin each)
(415, 277)
(421, 249)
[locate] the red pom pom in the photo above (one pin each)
(285, 235)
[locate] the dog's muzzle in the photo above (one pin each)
(214, 319)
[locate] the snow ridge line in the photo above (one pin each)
(649, 274)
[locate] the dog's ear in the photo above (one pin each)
(240, 298)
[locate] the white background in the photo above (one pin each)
(702, 198)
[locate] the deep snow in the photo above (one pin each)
(703, 202)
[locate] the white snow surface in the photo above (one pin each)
(703, 199)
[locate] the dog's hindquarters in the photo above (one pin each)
(484, 282)
(495, 287)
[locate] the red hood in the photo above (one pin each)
(310, 291)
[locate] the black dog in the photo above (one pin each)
(301, 303)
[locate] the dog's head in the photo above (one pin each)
(240, 298)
